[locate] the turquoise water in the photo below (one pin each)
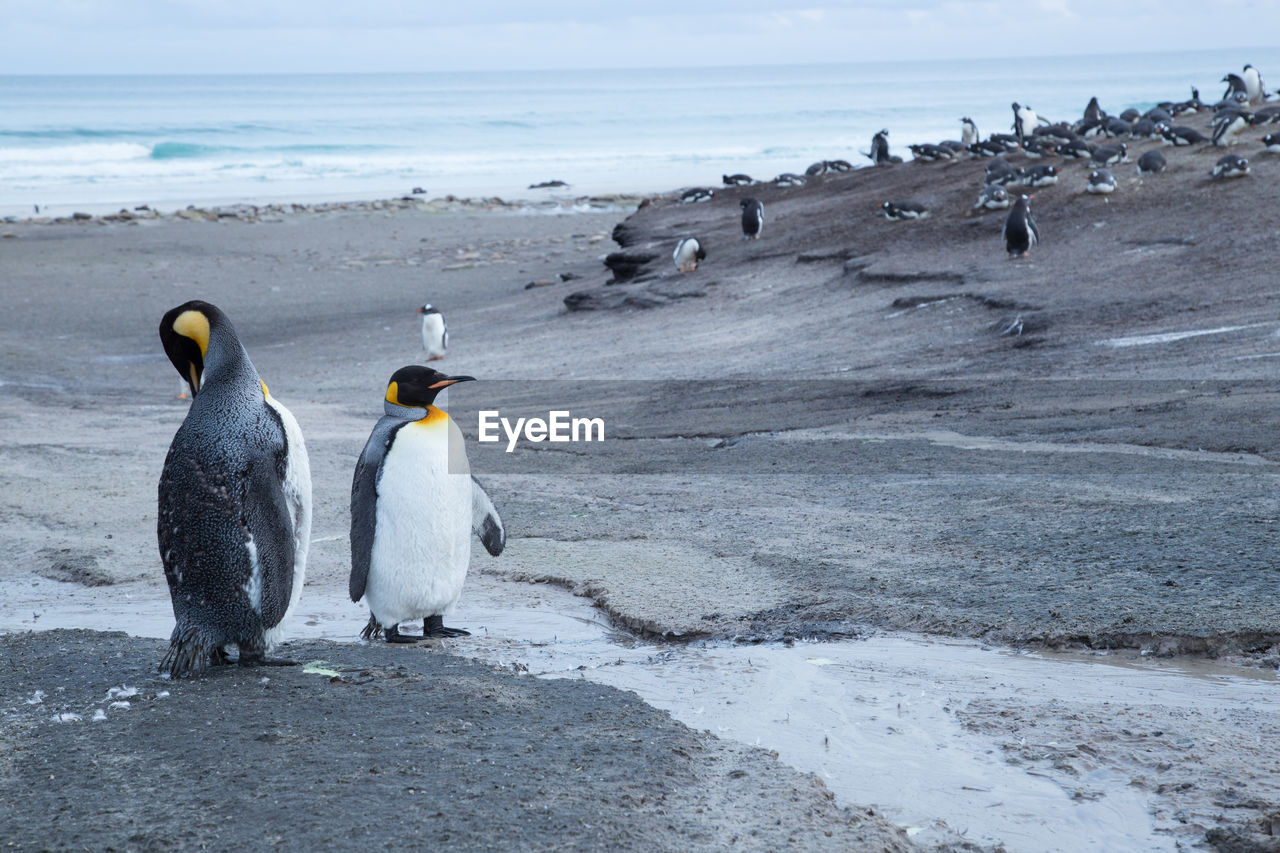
(107, 141)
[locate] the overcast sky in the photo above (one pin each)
(208, 36)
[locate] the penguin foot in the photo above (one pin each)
(435, 358)
(219, 657)
(394, 636)
(260, 659)
(433, 626)
(371, 631)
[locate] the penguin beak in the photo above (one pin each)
(195, 378)
(451, 380)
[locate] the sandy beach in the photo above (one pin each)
(848, 428)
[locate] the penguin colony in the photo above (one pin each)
(1245, 105)
(234, 503)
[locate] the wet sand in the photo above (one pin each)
(1101, 478)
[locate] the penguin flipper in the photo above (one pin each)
(270, 523)
(364, 502)
(485, 521)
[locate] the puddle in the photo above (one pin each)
(875, 719)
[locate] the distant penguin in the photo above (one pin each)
(1180, 135)
(901, 211)
(234, 520)
(928, 153)
(1114, 127)
(697, 194)
(435, 334)
(968, 131)
(1230, 166)
(414, 507)
(1235, 85)
(1151, 163)
(998, 171)
(839, 165)
(1271, 142)
(1076, 148)
(879, 153)
(1101, 181)
(1109, 155)
(1036, 147)
(1228, 125)
(1039, 176)
(816, 168)
(1093, 112)
(752, 218)
(1143, 128)
(1020, 232)
(687, 254)
(790, 179)
(1253, 85)
(992, 197)
(737, 180)
(1024, 121)
(1130, 115)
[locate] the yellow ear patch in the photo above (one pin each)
(194, 325)
(393, 393)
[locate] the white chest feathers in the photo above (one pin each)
(422, 534)
(435, 337)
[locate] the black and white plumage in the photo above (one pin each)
(1193, 105)
(1101, 181)
(1151, 163)
(986, 148)
(1024, 121)
(697, 194)
(1271, 142)
(790, 179)
(1020, 232)
(738, 180)
(1181, 135)
(1036, 147)
(928, 153)
(435, 332)
(1130, 115)
(998, 171)
(838, 165)
(1228, 125)
(1253, 85)
(968, 131)
(414, 508)
(1116, 127)
(1076, 149)
(1143, 128)
(1093, 112)
(902, 211)
(752, 218)
(1110, 155)
(1039, 176)
(234, 519)
(1266, 115)
(993, 197)
(1230, 166)
(687, 254)
(879, 153)
(1235, 86)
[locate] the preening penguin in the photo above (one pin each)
(435, 333)
(414, 506)
(752, 218)
(234, 519)
(687, 254)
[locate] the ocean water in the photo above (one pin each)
(102, 142)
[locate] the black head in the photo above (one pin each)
(748, 203)
(888, 205)
(428, 309)
(185, 332)
(416, 387)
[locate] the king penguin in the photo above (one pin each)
(234, 517)
(435, 334)
(414, 506)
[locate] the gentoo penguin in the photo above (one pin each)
(1024, 121)
(992, 197)
(1267, 115)
(1130, 115)
(1076, 149)
(1036, 147)
(697, 194)
(901, 211)
(928, 153)
(1272, 142)
(879, 153)
(1109, 155)
(1020, 232)
(1101, 181)
(234, 518)
(737, 180)
(968, 131)
(1228, 125)
(1115, 127)
(1253, 85)
(435, 334)
(687, 254)
(816, 168)
(1193, 105)
(1151, 162)
(1230, 166)
(1180, 135)
(790, 179)
(414, 506)
(1143, 128)
(1235, 86)
(839, 165)
(752, 218)
(1093, 112)
(1039, 176)
(998, 171)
